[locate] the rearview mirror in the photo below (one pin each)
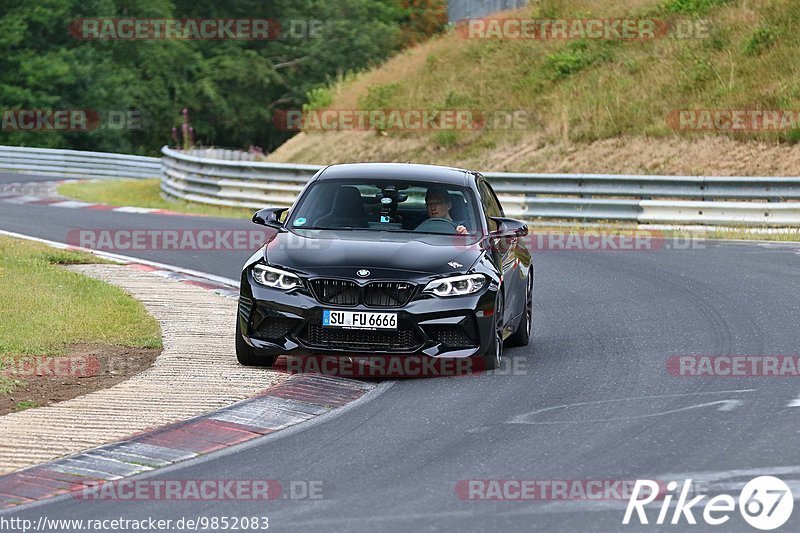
(270, 217)
(509, 227)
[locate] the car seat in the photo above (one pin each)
(347, 210)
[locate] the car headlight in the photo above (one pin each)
(456, 285)
(275, 277)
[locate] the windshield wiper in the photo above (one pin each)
(425, 232)
(346, 228)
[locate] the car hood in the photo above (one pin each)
(384, 254)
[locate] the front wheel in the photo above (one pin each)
(491, 358)
(522, 336)
(245, 353)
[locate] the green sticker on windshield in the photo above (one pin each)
(299, 221)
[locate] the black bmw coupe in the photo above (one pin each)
(388, 260)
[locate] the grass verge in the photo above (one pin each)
(23, 405)
(44, 308)
(143, 193)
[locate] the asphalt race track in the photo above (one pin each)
(590, 399)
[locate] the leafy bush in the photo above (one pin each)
(793, 136)
(445, 138)
(575, 57)
(761, 39)
(692, 7)
(422, 19)
(378, 96)
(318, 98)
(457, 100)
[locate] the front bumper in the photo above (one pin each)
(278, 323)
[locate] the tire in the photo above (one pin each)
(245, 353)
(522, 335)
(491, 359)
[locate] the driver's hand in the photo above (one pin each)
(461, 230)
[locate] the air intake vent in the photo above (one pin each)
(271, 328)
(402, 340)
(375, 294)
(334, 291)
(387, 294)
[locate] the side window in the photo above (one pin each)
(493, 201)
(490, 204)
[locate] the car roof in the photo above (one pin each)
(409, 171)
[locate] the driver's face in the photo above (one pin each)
(438, 207)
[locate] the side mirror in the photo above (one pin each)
(270, 217)
(509, 227)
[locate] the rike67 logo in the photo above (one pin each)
(765, 503)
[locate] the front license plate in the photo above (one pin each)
(359, 320)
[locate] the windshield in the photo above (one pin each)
(386, 205)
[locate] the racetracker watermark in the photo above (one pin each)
(67, 366)
(611, 29)
(405, 366)
(208, 240)
(31, 366)
(732, 120)
(70, 120)
(547, 489)
(403, 119)
(731, 366)
(239, 522)
(200, 490)
(594, 241)
(196, 29)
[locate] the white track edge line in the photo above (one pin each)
(126, 259)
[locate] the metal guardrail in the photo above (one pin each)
(197, 177)
(232, 178)
(76, 164)
(744, 201)
(461, 9)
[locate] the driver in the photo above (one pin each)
(438, 203)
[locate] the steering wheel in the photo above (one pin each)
(437, 225)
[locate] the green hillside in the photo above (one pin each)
(592, 104)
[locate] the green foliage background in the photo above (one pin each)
(231, 88)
